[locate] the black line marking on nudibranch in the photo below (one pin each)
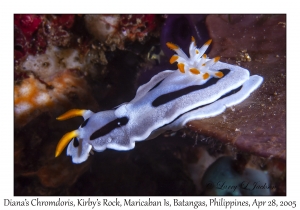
(84, 123)
(165, 98)
(109, 127)
(155, 86)
(223, 96)
(75, 142)
(231, 92)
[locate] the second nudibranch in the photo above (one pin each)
(199, 88)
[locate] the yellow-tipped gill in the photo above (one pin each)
(219, 74)
(205, 75)
(216, 59)
(208, 42)
(181, 67)
(194, 71)
(194, 41)
(63, 142)
(172, 46)
(173, 59)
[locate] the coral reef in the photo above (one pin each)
(115, 29)
(33, 33)
(53, 61)
(33, 96)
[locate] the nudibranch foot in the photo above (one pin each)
(198, 89)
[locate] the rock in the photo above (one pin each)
(257, 125)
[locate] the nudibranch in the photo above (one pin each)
(199, 88)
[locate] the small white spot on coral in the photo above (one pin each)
(22, 107)
(25, 90)
(57, 85)
(42, 98)
(67, 80)
(72, 60)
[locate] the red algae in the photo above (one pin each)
(33, 33)
(28, 24)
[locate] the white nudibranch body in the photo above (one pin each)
(199, 88)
